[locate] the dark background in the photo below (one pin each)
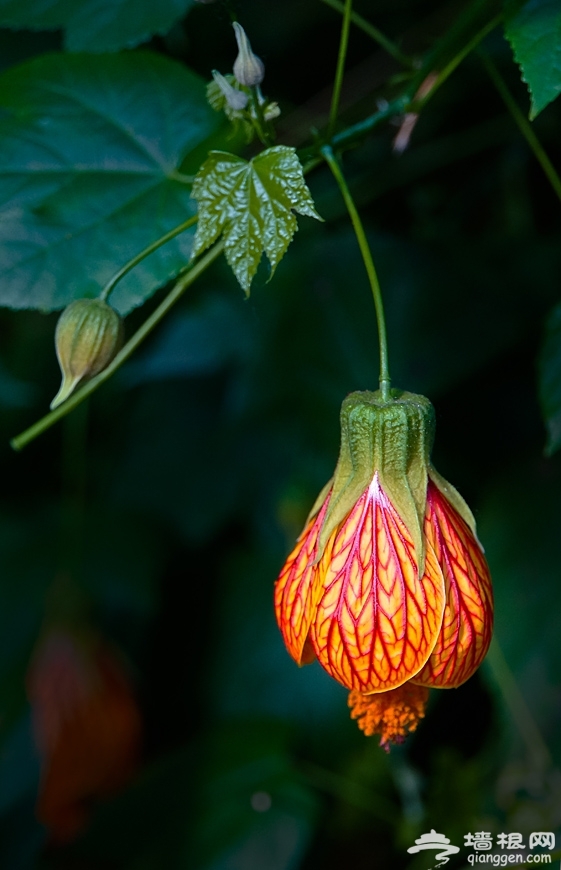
(168, 505)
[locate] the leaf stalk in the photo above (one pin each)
(124, 270)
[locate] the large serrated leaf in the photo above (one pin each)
(550, 380)
(252, 204)
(533, 29)
(95, 25)
(90, 148)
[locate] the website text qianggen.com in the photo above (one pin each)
(487, 858)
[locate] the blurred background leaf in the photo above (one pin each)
(94, 26)
(92, 148)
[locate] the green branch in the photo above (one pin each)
(369, 266)
(374, 33)
(343, 44)
(411, 99)
(523, 124)
(104, 295)
(143, 332)
(447, 71)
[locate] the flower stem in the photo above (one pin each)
(333, 164)
(184, 281)
(258, 118)
(374, 33)
(447, 71)
(523, 124)
(124, 270)
(408, 101)
(343, 43)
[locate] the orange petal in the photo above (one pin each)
(468, 617)
(376, 622)
(297, 591)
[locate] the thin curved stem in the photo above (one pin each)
(124, 270)
(410, 100)
(188, 277)
(373, 33)
(523, 124)
(343, 44)
(447, 71)
(345, 139)
(333, 164)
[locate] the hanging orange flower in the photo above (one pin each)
(87, 728)
(387, 586)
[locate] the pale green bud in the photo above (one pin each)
(236, 100)
(248, 68)
(88, 335)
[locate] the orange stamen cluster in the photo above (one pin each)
(393, 715)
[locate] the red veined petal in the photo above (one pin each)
(297, 590)
(376, 622)
(468, 617)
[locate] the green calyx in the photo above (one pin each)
(89, 333)
(392, 438)
(452, 495)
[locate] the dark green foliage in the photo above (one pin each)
(161, 514)
(90, 25)
(533, 28)
(92, 154)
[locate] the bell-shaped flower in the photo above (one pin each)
(387, 586)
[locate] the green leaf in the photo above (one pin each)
(90, 152)
(95, 25)
(550, 380)
(251, 204)
(533, 29)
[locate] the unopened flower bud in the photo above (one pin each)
(88, 335)
(271, 111)
(237, 100)
(248, 68)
